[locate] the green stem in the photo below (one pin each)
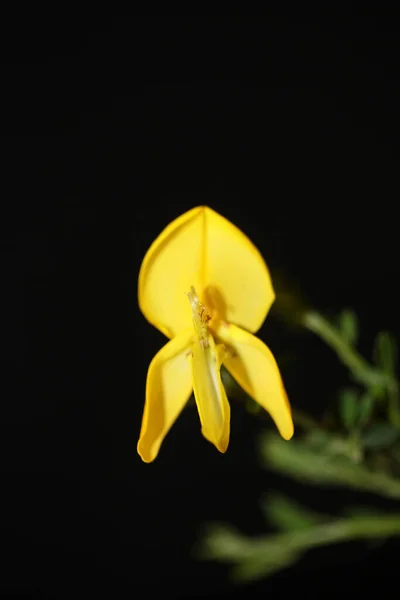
(303, 464)
(342, 530)
(363, 372)
(257, 557)
(356, 449)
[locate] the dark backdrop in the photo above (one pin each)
(111, 128)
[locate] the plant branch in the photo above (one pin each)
(362, 371)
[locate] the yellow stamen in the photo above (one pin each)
(200, 318)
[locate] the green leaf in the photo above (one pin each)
(348, 405)
(224, 543)
(264, 565)
(378, 391)
(385, 352)
(290, 516)
(365, 408)
(318, 439)
(380, 436)
(328, 443)
(348, 326)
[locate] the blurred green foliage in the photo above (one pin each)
(348, 326)
(359, 450)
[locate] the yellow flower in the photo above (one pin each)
(206, 287)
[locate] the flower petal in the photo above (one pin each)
(168, 388)
(209, 392)
(237, 279)
(172, 264)
(203, 249)
(253, 366)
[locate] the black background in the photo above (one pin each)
(111, 128)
